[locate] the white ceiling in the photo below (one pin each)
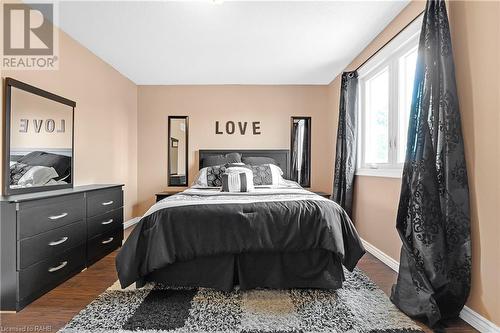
(249, 42)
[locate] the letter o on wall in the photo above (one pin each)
(50, 125)
(230, 127)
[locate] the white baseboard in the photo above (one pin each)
(477, 321)
(131, 222)
(389, 261)
(468, 315)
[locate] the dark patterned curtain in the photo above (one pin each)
(433, 216)
(345, 160)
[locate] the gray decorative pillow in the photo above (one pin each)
(262, 174)
(258, 160)
(216, 160)
(214, 175)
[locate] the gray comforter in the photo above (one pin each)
(202, 222)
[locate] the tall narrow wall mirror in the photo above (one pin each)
(178, 150)
(300, 149)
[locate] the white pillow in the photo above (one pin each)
(201, 178)
(37, 176)
(277, 174)
(278, 168)
(237, 180)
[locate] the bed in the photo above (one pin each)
(272, 237)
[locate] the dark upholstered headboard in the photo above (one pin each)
(280, 155)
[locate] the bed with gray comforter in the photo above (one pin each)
(272, 237)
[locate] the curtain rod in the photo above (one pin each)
(390, 40)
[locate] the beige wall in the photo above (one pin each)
(105, 116)
(271, 105)
(476, 45)
(475, 29)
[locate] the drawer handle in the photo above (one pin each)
(107, 203)
(53, 269)
(62, 240)
(109, 240)
(57, 217)
(107, 222)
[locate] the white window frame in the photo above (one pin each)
(387, 57)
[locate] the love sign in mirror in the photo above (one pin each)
(177, 150)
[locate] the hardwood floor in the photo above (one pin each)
(53, 310)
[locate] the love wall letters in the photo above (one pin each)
(240, 127)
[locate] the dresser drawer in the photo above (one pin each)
(102, 245)
(104, 223)
(38, 216)
(50, 244)
(99, 202)
(45, 275)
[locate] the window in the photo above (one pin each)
(377, 118)
(385, 93)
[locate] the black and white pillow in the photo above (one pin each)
(212, 176)
(235, 180)
(263, 175)
(266, 174)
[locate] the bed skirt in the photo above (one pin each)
(277, 270)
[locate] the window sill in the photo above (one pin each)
(386, 173)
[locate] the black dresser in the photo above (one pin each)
(47, 237)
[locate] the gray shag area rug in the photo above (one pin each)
(360, 306)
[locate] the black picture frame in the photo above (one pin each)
(170, 180)
(9, 83)
(307, 164)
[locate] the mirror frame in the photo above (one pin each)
(9, 83)
(308, 119)
(169, 182)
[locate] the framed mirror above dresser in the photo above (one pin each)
(38, 140)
